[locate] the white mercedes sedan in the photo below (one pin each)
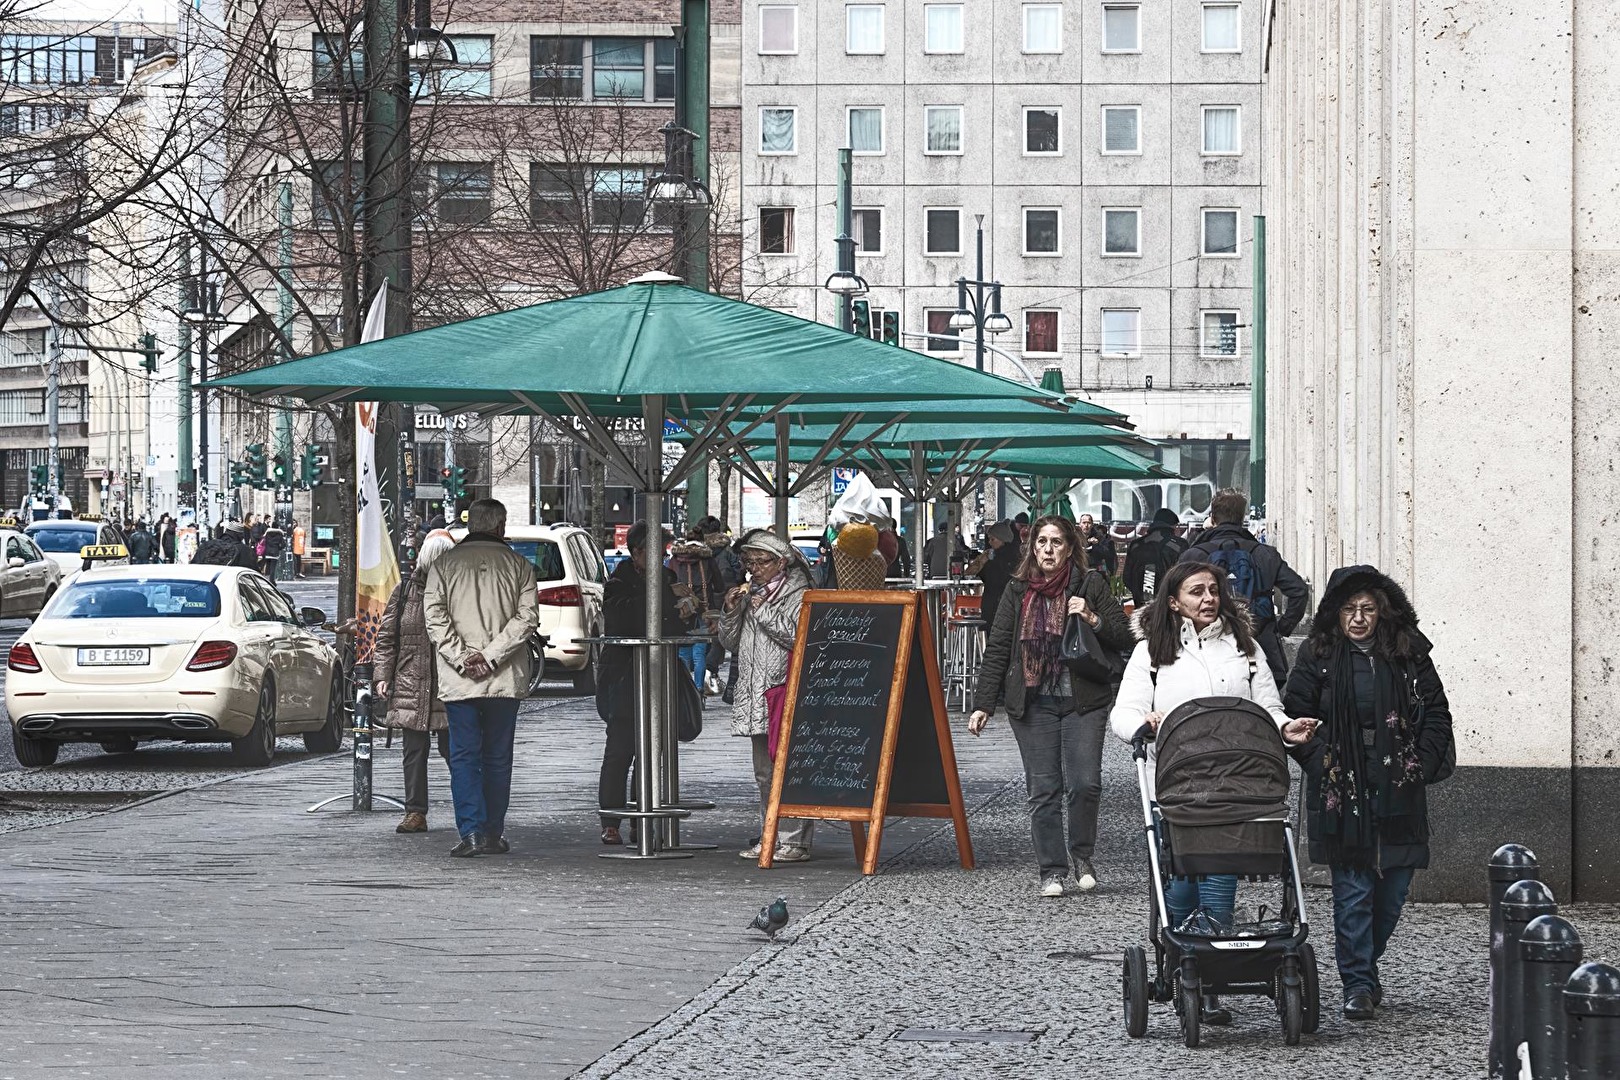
(126, 654)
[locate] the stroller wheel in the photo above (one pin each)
(1136, 992)
(1311, 986)
(1293, 1013)
(1188, 1003)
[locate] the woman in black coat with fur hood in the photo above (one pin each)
(1386, 735)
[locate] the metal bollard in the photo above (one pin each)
(1523, 902)
(1509, 863)
(1549, 950)
(1592, 1016)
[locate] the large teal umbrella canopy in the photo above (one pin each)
(605, 352)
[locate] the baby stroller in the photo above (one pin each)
(1222, 787)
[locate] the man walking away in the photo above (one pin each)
(1152, 554)
(1257, 572)
(140, 544)
(480, 611)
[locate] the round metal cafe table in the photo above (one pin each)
(659, 807)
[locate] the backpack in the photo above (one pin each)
(1248, 584)
(1147, 560)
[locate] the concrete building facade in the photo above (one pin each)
(1443, 388)
(1112, 151)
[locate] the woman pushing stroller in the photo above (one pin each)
(1198, 643)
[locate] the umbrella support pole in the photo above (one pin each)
(650, 809)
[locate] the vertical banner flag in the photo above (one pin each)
(377, 571)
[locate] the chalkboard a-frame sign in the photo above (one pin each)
(864, 732)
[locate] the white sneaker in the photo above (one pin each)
(791, 853)
(1052, 886)
(751, 853)
(1084, 876)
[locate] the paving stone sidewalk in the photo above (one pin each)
(926, 946)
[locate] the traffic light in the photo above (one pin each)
(256, 463)
(239, 475)
(891, 328)
(41, 475)
(309, 466)
(861, 313)
(454, 479)
(278, 471)
(149, 346)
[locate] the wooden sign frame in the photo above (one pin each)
(866, 823)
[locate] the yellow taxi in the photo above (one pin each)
(126, 654)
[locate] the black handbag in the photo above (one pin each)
(1085, 654)
(688, 706)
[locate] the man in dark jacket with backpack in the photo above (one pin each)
(1257, 573)
(1152, 554)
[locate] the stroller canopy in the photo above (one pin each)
(1221, 760)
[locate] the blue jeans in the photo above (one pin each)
(1215, 894)
(481, 734)
(695, 658)
(1366, 906)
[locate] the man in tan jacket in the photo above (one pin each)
(480, 610)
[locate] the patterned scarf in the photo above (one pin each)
(1040, 625)
(1355, 818)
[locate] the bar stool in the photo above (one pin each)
(964, 648)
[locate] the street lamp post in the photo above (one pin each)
(844, 282)
(979, 319)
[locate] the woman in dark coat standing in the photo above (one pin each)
(1058, 718)
(1385, 737)
(404, 673)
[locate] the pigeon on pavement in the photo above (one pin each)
(771, 918)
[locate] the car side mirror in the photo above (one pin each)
(16, 561)
(312, 616)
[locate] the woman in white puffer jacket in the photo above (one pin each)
(1198, 643)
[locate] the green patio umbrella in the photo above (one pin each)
(1051, 494)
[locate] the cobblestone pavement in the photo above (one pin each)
(223, 931)
(924, 945)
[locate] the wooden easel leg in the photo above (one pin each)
(857, 832)
(964, 843)
(873, 845)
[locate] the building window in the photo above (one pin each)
(1219, 333)
(943, 231)
(1121, 332)
(1221, 28)
(778, 130)
(778, 29)
(1222, 130)
(1043, 28)
(1220, 232)
(943, 127)
(865, 29)
(1122, 231)
(866, 129)
(1043, 230)
(867, 222)
(22, 347)
(619, 199)
(468, 77)
(556, 69)
(1122, 28)
(25, 119)
(1041, 333)
(942, 28)
(601, 69)
(337, 193)
(340, 66)
(453, 192)
(1122, 129)
(938, 321)
(776, 230)
(1042, 130)
(18, 407)
(556, 195)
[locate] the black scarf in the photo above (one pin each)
(1354, 818)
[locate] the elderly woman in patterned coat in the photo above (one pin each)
(759, 624)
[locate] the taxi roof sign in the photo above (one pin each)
(93, 552)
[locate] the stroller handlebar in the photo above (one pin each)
(1139, 741)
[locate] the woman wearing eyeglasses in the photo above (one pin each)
(1366, 672)
(759, 624)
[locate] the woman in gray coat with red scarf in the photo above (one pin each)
(1365, 671)
(1058, 717)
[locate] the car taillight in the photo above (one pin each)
(560, 596)
(22, 658)
(212, 655)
